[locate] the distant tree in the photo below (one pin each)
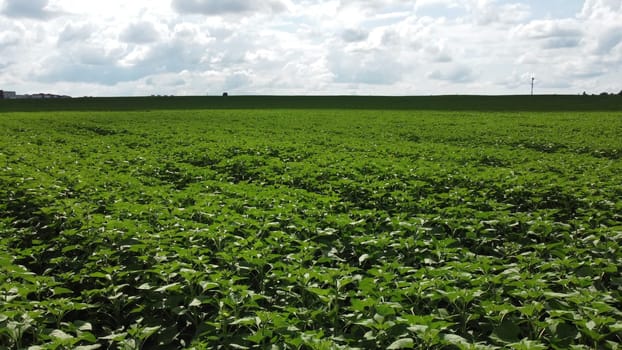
(584, 93)
(620, 93)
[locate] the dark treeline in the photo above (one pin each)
(441, 103)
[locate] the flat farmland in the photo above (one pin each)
(310, 229)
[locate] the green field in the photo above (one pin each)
(311, 226)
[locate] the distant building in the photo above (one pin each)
(41, 96)
(12, 95)
(7, 94)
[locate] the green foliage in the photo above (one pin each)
(310, 229)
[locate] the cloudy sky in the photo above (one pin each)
(379, 47)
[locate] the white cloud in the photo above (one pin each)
(9, 38)
(218, 7)
(598, 9)
(308, 46)
(367, 67)
(354, 35)
(540, 29)
(140, 33)
(421, 4)
(486, 12)
(552, 34)
(454, 74)
(73, 33)
(33, 9)
(438, 52)
(609, 39)
(238, 80)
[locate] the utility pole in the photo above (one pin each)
(532, 81)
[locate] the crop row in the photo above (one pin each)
(310, 230)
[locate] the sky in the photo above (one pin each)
(310, 47)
